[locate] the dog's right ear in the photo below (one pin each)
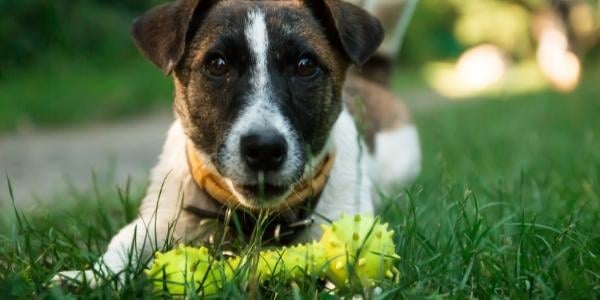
(357, 31)
(161, 34)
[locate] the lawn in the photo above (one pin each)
(507, 206)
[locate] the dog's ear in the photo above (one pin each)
(358, 32)
(161, 34)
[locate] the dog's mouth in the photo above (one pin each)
(263, 192)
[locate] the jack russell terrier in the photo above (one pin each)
(266, 114)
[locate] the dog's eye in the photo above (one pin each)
(217, 67)
(307, 67)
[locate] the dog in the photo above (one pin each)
(265, 122)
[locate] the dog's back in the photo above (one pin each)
(388, 130)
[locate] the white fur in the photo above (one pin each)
(397, 159)
(348, 189)
(260, 113)
(258, 40)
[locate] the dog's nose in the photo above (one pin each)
(263, 150)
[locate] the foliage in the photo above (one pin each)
(30, 29)
(443, 29)
(430, 34)
(481, 20)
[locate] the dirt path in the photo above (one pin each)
(44, 163)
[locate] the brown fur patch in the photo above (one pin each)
(374, 107)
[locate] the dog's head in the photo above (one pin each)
(258, 83)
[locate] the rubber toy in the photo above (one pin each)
(352, 248)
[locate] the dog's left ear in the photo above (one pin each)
(161, 33)
(359, 33)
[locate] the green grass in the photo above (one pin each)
(66, 91)
(508, 206)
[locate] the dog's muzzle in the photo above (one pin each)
(209, 180)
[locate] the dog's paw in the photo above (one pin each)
(85, 277)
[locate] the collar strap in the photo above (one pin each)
(209, 180)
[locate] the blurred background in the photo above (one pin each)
(78, 103)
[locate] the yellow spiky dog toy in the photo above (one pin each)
(351, 248)
(183, 269)
(359, 246)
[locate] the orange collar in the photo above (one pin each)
(208, 179)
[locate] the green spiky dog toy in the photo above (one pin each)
(358, 247)
(351, 248)
(183, 269)
(293, 262)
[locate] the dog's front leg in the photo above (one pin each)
(132, 245)
(158, 222)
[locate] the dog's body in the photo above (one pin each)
(261, 97)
